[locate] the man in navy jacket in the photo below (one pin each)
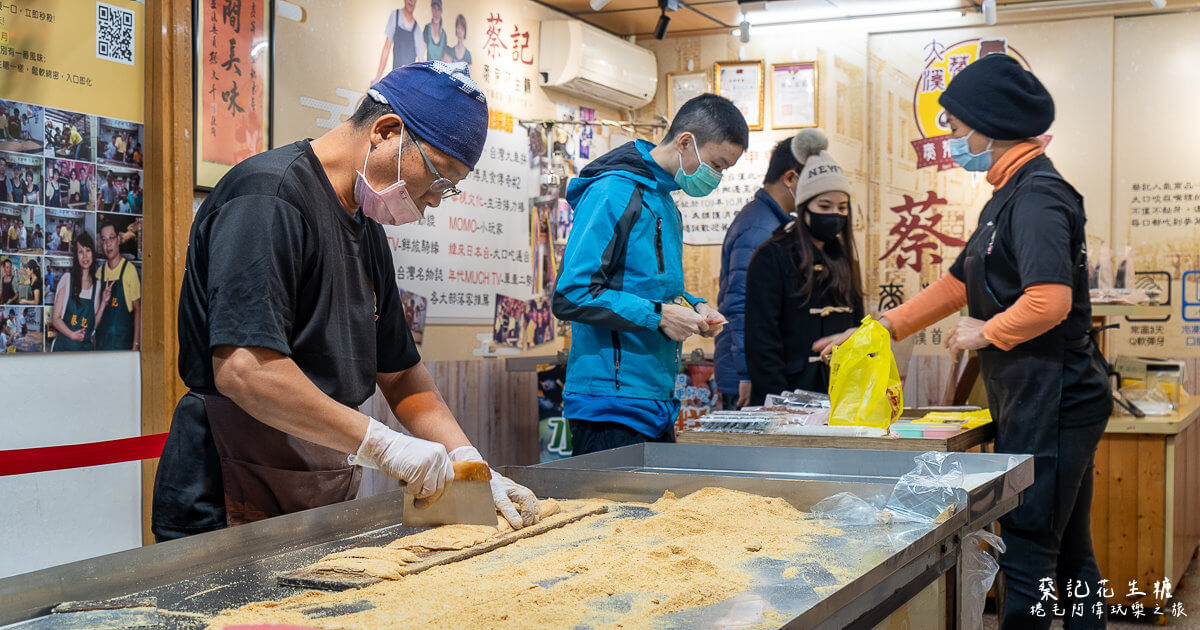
(770, 209)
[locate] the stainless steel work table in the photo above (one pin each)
(197, 577)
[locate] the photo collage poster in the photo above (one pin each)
(70, 230)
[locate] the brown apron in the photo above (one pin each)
(267, 472)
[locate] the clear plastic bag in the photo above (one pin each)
(849, 509)
(926, 491)
(922, 495)
(979, 569)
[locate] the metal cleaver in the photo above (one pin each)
(467, 500)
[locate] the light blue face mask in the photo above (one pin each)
(702, 181)
(961, 153)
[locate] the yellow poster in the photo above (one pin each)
(74, 55)
(72, 88)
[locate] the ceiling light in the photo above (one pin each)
(598, 4)
(660, 29)
(989, 12)
(1159, 4)
(745, 32)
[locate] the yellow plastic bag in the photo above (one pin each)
(864, 384)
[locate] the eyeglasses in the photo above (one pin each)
(440, 185)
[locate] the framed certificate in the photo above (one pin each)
(683, 86)
(742, 83)
(794, 95)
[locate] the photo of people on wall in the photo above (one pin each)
(22, 329)
(458, 53)
(120, 142)
(69, 135)
(22, 229)
(128, 229)
(70, 184)
(63, 225)
(55, 270)
(522, 323)
(406, 40)
(76, 295)
(21, 280)
(22, 178)
(119, 190)
(21, 127)
(414, 311)
(119, 315)
(509, 321)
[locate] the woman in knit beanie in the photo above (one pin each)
(1023, 278)
(803, 283)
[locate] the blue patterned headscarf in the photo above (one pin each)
(441, 104)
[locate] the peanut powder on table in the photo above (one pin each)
(625, 569)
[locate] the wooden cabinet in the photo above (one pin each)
(1145, 507)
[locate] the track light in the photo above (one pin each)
(598, 4)
(989, 11)
(660, 29)
(1159, 4)
(744, 33)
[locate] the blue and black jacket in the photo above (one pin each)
(623, 261)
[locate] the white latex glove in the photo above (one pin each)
(423, 466)
(517, 503)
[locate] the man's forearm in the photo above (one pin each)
(273, 389)
(414, 398)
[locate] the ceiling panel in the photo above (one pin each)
(638, 17)
(643, 21)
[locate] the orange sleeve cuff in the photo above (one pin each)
(1040, 308)
(942, 298)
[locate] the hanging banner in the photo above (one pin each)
(71, 159)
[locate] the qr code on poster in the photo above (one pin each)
(114, 33)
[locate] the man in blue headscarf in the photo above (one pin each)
(289, 317)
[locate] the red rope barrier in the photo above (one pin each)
(30, 460)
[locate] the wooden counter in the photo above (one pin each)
(1145, 505)
(963, 441)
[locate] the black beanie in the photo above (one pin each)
(1000, 99)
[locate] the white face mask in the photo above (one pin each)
(392, 205)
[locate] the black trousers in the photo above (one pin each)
(590, 437)
(1062, 553)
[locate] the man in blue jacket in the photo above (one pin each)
(754, 224)
(622, 279)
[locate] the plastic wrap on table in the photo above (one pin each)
(922, 495)
(797, 398)
(926, 491)
(979, 569)
(825, 430)
(1153, 401)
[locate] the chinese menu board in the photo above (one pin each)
(475, 245)
(232, 65)
(71, 160)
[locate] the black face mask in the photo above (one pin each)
(826, 227)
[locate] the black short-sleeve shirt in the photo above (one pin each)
(275, 261)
